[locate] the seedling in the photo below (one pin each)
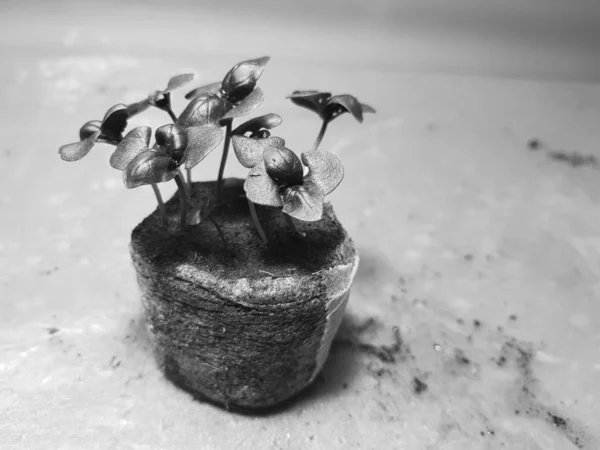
(329, 108)
(278, 177)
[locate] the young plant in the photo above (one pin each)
(277, 178)
(162, 99)
(174, 147)
(329, 108)
(239, 96)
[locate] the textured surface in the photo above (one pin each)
(483, 253)
(246, 325)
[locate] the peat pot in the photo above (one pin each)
(235, 321)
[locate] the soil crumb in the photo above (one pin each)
(419, 386)
(534, 144)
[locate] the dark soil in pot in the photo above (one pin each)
(236, 321)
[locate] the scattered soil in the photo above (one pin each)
(574, 159)
(521, 357)
(351, 334)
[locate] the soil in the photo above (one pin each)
(239, 252)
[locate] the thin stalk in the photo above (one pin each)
(219, 230)
(186, 187)
(321, 134)
(172, 114)
(257, 225)
(182, 199)
(224, 160)
(189, 177)
(161, 204)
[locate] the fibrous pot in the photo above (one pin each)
(235, 321)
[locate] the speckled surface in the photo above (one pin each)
(474, 318)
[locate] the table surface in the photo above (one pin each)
(484, 253)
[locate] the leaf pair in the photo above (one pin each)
(327, 107)
(238, 94)
(161, 99)
(174, 147)
(277, 176)
(109, 131)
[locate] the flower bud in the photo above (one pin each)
(283, 166)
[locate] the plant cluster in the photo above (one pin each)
(277, 177)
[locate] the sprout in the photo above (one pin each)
(174, 146)
(108, 131)
(238, 87)
(162, 99)
(277, 177)
(329, 108)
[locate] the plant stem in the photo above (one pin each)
(219, 230)
(185, 186)
(224, 159)
(161, 204)
(321, 134)
(257, 225)
(189, 177)
(172, 114)
(182, 199)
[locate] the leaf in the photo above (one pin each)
(249, 151)
(283, 165)
(211, 88)
(77, 150)
(367, 109)
(265, 122)
(114, 123)
(325, 170)
(178, 81)
(148, 167)
(304, 202)
(172, 139)
(137, 107)
(241, 80)
(276, 141)
(313, 100)
(247, 105)
(135, 142)
(208, 109)
(88, 129)
(348, 103)
(260, 187)
(201, 141)
(113, 109)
